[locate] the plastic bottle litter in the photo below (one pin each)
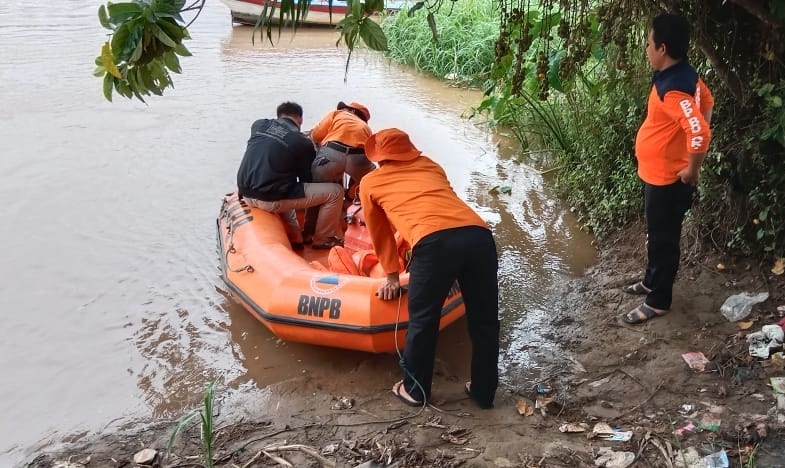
(739, 306)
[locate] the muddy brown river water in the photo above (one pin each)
(112, 304)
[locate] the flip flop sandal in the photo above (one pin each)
(397, 392)
(637, 288)
(468, 390)
(648, 313)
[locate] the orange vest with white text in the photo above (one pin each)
(674, 127)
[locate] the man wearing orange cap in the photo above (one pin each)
(340, 136)
(411, 193)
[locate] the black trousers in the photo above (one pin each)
(665, 209)
(467, 254)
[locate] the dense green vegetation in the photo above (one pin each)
(569, 77)
(463, 48)
(572, 78)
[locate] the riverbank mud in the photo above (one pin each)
(634, 378)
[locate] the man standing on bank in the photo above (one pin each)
(275, 175)
(671, 146)
(411, 193)
(340, 136)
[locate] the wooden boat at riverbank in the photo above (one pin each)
(319, 12)
(299, 297)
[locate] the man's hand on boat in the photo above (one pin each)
(391, 288)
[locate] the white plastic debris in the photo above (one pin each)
(738, 306)
(762, 342)
(611, 459)
(145, 456)
(690, 458)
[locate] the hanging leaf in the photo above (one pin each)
(373, 6)
(121, 12)
(103, 17)
(356, 7)
(162, 36)
(373, 36)
(108, 61)
(172, 30)
(172, 62)
(108, 84)
(182, 51)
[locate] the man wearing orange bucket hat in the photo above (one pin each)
(340, 136)
(411, 193)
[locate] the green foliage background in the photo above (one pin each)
(572, 78)
(461, 48)
(568, 77)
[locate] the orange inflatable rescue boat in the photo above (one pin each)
(312, 296)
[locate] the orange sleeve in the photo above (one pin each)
(683, 109)
(380, 229)
(704, 97)
(320, 130)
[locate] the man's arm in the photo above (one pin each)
(304, 152)
(684, 110)
(383, 239)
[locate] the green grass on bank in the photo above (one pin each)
(463, 51)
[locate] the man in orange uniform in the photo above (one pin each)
(340, 136)
(671, 146)
(409, 192)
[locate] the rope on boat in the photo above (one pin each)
(231, 249)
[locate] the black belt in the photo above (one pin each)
(343, 148)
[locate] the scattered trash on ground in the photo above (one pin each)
(456, 435)
(778, 384)
(81, 463)
(603, 381)
(524, 407)
(342, 403)
(765, 341)
(574, 427)
(688, 427)
(543, 389)
(611, 459)
(695, 360)
(145, 456)
(691, 458)
(710, 422)
(547, 405)
(739, 306)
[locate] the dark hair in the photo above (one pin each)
(673, 31)
(289, 108)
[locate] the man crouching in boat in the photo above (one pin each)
(409, 192)
(275, 175)
(340, 136)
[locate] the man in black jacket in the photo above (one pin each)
(275, 175)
